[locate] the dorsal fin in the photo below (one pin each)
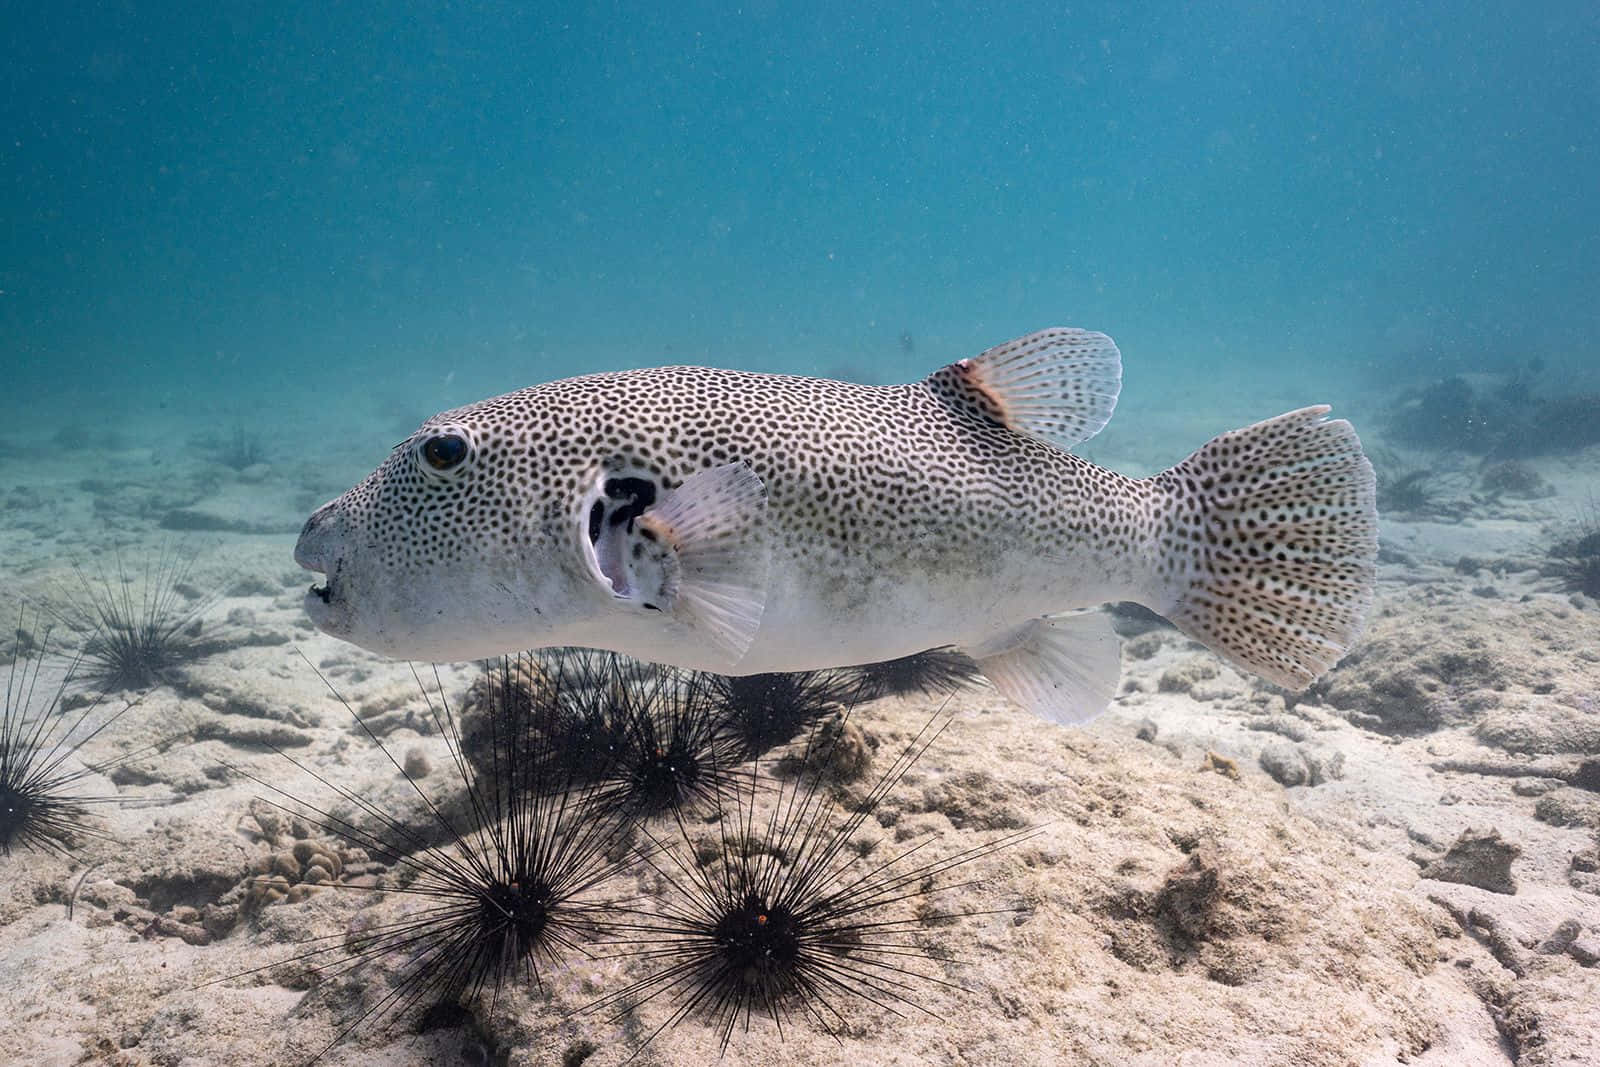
(1059, 385)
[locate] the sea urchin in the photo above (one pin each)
(41, 806)
(670, 751)
(1575, 559)
(141, 629)
(784, 918)
(761, 711)
(936, 672)
(505, 897)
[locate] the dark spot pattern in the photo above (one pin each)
(634, 495)
(887, 473)
(1262, 544)
(1271, 546)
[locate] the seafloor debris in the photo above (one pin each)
(1290, 764)
(1508, 418)
(294, 873)
(1478, 858)
(1513, 478)
(1433, 665)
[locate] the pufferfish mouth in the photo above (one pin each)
(320, 603)
(319, 596)
(321, 591)
(321, 549)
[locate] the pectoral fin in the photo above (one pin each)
(698, 553)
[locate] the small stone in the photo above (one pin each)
(1224, 766)
(264, 891)
(165, 926)
(219, 919)
(1569, 807)
(1325, 768)
(1478, 858)
(1147, 730)
(1587, 776)
(1285, 763)
(1144, 646)
(1586, 950)
(1189, 895)
(847, 752)
(417, 764)
(1561, 938)
(1283, 725)
(1186, 676)
(267, 818)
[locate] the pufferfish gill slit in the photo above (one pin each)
(750, 523)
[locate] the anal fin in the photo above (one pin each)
(1064, 668)
(709, 537)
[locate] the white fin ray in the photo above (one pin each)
(714, 576)
(1063, 668)
(1272, 545)
(1059, 385)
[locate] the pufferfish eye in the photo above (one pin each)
(444, 451)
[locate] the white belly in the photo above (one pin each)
(847, 615)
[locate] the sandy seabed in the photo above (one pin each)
(1399, 866)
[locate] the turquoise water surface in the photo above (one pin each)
(456, 201)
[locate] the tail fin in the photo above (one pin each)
(1270, 543)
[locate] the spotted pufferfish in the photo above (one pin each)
(746, 523)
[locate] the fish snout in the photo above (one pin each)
(316, 548)
(319, 549)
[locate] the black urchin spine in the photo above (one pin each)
(137, 639)
(508, 896)
(780, 922)
(936, 672)
(41, 804)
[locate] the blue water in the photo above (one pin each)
(305, 198)
(303, 227)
